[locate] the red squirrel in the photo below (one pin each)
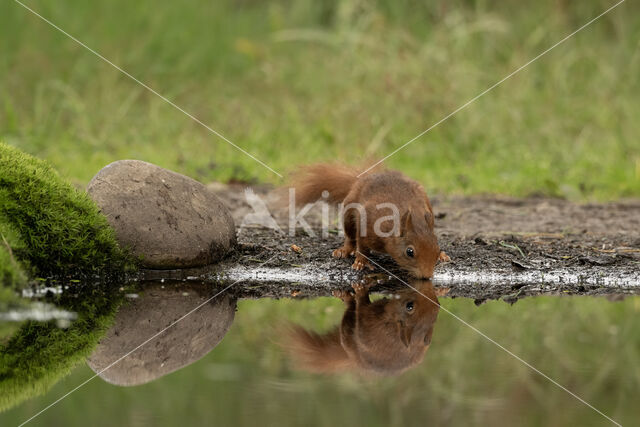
(368, 202)
(384, 337)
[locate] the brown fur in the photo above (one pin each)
(318, 353)
(311, 181)
(370, 190)
(379, 337)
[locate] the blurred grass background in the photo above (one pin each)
(304, 81)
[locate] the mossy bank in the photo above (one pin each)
(57, 230)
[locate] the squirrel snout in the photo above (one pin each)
(424, 273)
(424, 269)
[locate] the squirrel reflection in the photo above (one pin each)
(386, 337)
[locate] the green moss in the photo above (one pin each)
(61, 229)
(11, 273)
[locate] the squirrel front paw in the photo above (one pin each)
(342, 252)
(360, 263)
(443, 257)
(360, 288)
(342, 294)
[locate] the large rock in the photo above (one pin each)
(168, 219)
(160, 332)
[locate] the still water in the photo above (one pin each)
(412, 356)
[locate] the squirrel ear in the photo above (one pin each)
(407, 224)
(428, 335)
(429, 218)
(405, 333)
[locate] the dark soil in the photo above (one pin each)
(500, 247)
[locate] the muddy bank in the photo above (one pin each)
(500, 248)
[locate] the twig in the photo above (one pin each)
(506, 245)
(13, 260)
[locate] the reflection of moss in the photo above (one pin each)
(49, 229)
(12, 278)
(7, 329)
(40, 353)
(9, 299)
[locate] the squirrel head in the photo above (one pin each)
(415, 312)
(399, 338)
(416, 249)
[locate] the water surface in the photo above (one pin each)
(223, 366)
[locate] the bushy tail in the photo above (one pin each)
(317, 353)
(310, 181)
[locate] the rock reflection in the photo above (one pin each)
(384, 337)
(155, 309)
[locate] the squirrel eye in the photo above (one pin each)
(410, 252)
(409, 306)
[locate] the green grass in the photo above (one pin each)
(353, 80)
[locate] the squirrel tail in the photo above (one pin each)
(310, 181)
(318, 353)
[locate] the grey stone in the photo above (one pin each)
(146, 323)
(170, 220)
